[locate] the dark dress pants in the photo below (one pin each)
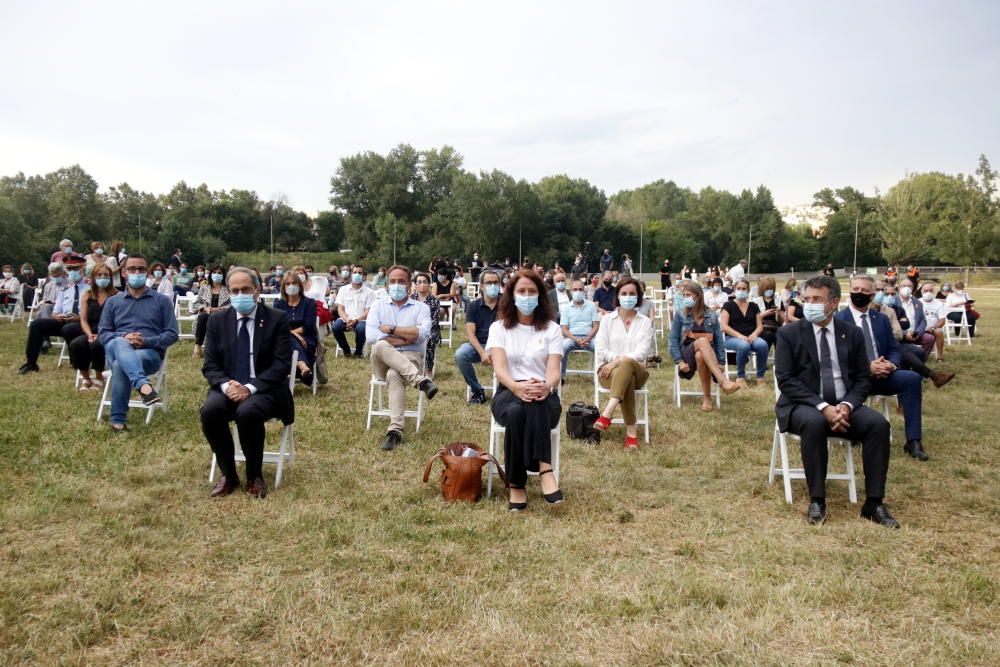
(41, 329)
(907, 387)
(867, 426)
(527, 441)
(250, 417)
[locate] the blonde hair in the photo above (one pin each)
(765, 283)
(696, 311)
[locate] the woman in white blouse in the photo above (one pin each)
(956, 301)
(525, 346)
(622, 345)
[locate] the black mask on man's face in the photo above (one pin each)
(860, 299)
(607, 283)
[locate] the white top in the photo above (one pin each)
(934, 310)
(715, 301)
(317, 288)
(838, 379)
(563, 297)
(613, 340)
(527, 348)
(354, 300)
(856, 314)
(910, 311)
(735, 273)
(956, 300)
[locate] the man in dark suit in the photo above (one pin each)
(885, 360)
(248, 356)
(824, 380)
(559, 295)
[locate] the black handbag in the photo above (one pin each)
(580, 419)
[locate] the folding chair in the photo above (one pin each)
(880, 403)
(159, 382)
(679, 391)
(286, 445)
(376, 386)
(779, 445)
(592, 370)
(642, 419)
(17, 311)
(315, 380)
(36, 301)
(956, 332)
(496, 445)
(447, 324)
(182, 311)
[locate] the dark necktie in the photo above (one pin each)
(76, 299)
(869, 345)
(242, 365)
(828, 388)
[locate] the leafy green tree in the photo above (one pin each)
(330, 230)
(968, 232)
(849, 207)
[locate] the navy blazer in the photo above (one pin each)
(919, 325)
(886, 343)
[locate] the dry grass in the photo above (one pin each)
(111, 551)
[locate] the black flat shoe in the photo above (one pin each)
(150, 399)
(517, 507)
(429, 388)
(880, 515)
(916, 450)
(27, 368)
(816, 514)
(307, 378)
(392, 440)
(556, 496)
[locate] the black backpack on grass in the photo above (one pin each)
(580, 419)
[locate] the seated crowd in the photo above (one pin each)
(116, 312)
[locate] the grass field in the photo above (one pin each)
(111, 551)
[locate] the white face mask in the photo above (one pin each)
(292, 290)
(927, 296)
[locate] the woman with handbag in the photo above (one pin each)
(525, 346)
(772, 309)
(622, 345)
(697, 344)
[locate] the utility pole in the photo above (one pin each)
(749, 249)
(641, 225)
(140, 232)
(271, 262)
(857, 218)
(394, 240)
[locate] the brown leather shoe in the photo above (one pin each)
(224, 487)
(257, 488)
(940, 378)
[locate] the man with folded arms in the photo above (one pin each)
(248, 356)
(398, 331)
(137, 326)
(824, 379)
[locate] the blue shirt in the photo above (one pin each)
(482, 316)
(411, 314)
(151, 315)
(579, 319)
(605, 298)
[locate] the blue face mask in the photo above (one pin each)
(157, 274)
(59, 280)
(741, 295)
(561, 285)
(102, 282)
(492, 291)
(687, 302)
(243, 303)
(716, 289)
(628, 301)
(136, 280)
(396, 292)
(184, 269)
(814, 312)
(578, 296)
(344, 274)
(889, 300)
(356, 278)
(74, 276)
(768, 293)
(216, 278)
(526, 303)
(879, 297)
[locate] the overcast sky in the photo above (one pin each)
(270, 95)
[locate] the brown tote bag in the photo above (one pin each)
(462, 477)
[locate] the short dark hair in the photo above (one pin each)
(137, 256)
(829, 283)
(400, 267)
(507, 310)
(629, 281)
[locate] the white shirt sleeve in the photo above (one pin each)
(497, 336)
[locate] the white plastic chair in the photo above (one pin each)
(679, 391)
(641, 419)
(36, 301)
(880, 403)
(18, 310)
(182, 311)
(377, 387)
(779, 446)
(286, 445)
(591, 371)
(447, 324)
(957, 332)
(159, 383)
(497, 433)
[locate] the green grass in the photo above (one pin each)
(111, 551)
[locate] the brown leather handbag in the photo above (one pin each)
(462, 477)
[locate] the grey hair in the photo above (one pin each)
(57, 266)
(824, 281)
(243, 269)
(865, 278)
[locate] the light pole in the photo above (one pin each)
(140, 232)
(749, 249)
(857, 217)
(394, 240)
(272, 234)
(642, 223)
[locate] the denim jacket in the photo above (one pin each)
(682, 324)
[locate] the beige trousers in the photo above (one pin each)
(397, 369)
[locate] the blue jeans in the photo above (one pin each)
(465, 357)
(568, 346)
(743, 349)
(131, 368)
(339, 329)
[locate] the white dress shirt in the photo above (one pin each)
(355, 300)
(856, 314)
(251, 317)
(839, 386)
(68, 294)
(614, 340)
(910, 311)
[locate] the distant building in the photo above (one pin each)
(805, 214)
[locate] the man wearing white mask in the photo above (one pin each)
(559, 295)
(580, 320)
(398, 330)
(353, 302)
(480, 315)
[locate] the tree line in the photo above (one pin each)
(415, 204)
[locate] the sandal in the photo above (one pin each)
(517, 507)
(602, 423)
(631, 442)
(556, 496)
(86, 384)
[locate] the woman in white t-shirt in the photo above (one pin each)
(525, 345)
(622, 345)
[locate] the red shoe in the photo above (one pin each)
(631, 443)
(602, 423)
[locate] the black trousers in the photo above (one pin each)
(526, 442)
(42, 329)
(867, 426)
(85, 355)
(199, 328)
(913, 359)
(250, 417)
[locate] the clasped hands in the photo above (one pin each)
(531, 390)
(609, 368)
(882, 367)
(236, 392)
(838, 417)
(135, 339)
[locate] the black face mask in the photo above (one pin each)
(607, 283)
(860, 300)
